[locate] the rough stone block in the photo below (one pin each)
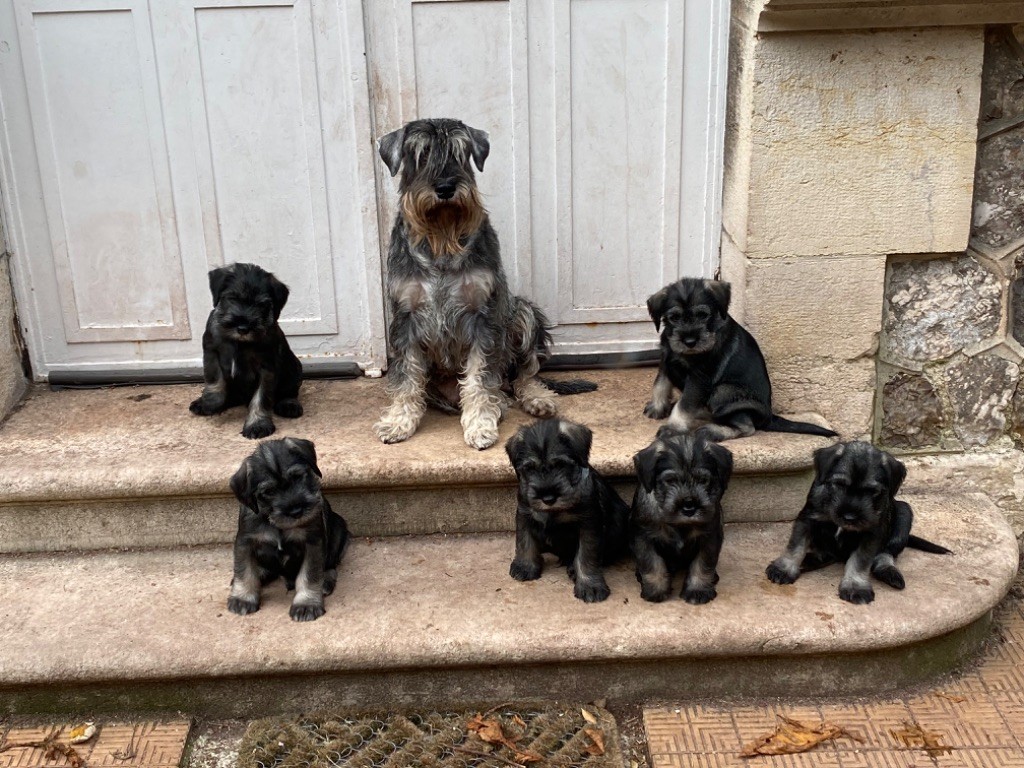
(980, 389)
(864, 142)
(12, 381)
(912, 415)
(841, 391)
(937, 307)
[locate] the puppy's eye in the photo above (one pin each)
(562, 464)
(702, 313)
(669, 478)
(530, 465)
(673, 315)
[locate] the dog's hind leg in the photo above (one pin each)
(531, 394)
(407, 381)
(530, 339)
(482, 402)
(738, 425)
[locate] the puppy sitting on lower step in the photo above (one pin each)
(286, 527)
(676, 521)
(852, 516)
(565, 507)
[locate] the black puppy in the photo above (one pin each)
(852, 516)
(676, 520)
(715, 363)
(565, 507)
(246, 357)
(285, 528)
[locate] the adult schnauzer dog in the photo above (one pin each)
(246, 357)
(565, 507)
(285, 528)
(676, 520)
(460, 338)
(715, 363)
(852, 517)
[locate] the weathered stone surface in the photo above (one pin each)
(12, 382)
(980, 389)
(911, 412)
(937, 307)
(863, 143)
(1017, 302)
(842, 391)
(1017, 414)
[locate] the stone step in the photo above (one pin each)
(434, 621)
(130, 467)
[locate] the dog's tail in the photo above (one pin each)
(916, 542)
(780, 424)
(570, 387)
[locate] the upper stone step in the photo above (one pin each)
(131, 467)
(433, 621)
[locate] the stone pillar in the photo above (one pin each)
(843, 148)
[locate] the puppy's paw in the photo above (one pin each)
(656, 410)
(539, 407)
(653, 594)
(202, 406)
(289, 409)
(856, 594)
(781, 572)
(243, 606)
(591, 591)
(699, 595)
(481, 436)
(306, 611)
(391, 431)
(258, 428)
(522, 570)
(889, 574)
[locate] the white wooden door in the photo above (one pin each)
(606, 121)
(147, 142)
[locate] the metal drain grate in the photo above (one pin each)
(533, 737)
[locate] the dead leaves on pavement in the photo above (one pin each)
(791, 737)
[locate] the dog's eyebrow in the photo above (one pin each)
(840, 479)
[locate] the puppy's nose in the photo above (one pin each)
(243, 328)
(445, 189)
(850, 517)
(690, 341)
(688, 508)
(548, 497)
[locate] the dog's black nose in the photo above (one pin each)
(688, 508)
(445, 189)
(690, 341)
(242, 328)
(850, 517)
(549, 497)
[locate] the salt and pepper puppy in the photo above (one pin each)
(852, 516)
(285, 528)
(676, 520)
(246, 357)
(565, 507)
(715, 363)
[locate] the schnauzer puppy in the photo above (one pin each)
(460, 338)
(564, 507)
(716, 365)
(676, 520)
(852, 517)
(246, 357)
(286, 527)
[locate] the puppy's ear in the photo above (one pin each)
(579, 438)
(825, 459)
(895, 473)
(389, 147)
(278, 295)
(646, 462)
(721, 292)
(480, 146)
(721, 457)
(243, 484)
(514, 447)
(220, 279)
(306, 450)
(657, 304)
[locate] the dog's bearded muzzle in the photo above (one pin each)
(691, 344)
(443, 222)
(296, 516)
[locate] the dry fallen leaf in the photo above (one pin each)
(597, 748)
(489, 729)
(81, 733)
(791, 737)
(589, 717)
(518, 721)
(913, 735)
(951, 697)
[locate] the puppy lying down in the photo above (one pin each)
(564, 507)
(852, 516)
(286, 527)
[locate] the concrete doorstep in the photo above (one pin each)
(437, 620)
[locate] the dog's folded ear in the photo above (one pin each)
(721, 292)
(389, 147)
(579, 438)
(645, 462)
(305, 450)
(895, 473)
(480, 146)
(657, 304)
(220, 279)
(514, 447)
(825, 459)
(278, 295)
(243, 484)
(721, 457)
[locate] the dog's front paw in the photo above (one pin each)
(391, 431)
(856, 593)
(781, 572)
(203, 406)
(890, 574)
(522, 570)
(289, 409)
(591, 591)
(243, 606)
(653, 594)
(699, 595)
(258, 428)
(657, 411)
(481, 436)
(306, 611)
(539, 407)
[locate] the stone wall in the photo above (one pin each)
(12, 379)
(951, 397)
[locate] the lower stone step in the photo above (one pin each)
(433, 621)
(131, 467)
